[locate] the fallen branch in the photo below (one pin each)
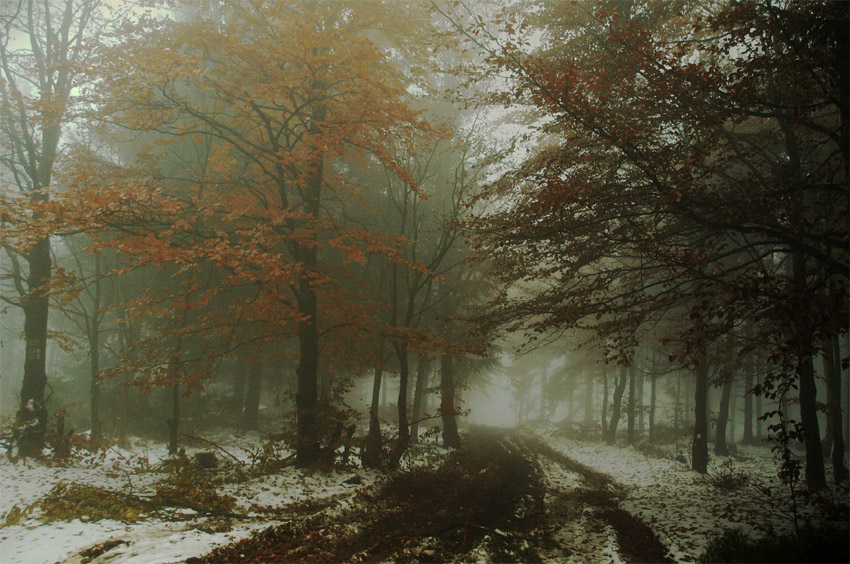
(215, 445)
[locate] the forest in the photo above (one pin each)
(424, 281)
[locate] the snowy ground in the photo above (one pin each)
(682, 507)
(685, 508)
(150, 540)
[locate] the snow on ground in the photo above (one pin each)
(151, 540)
(683, 507)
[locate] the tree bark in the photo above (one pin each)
(748, 438)
(32, 415)
(653, 395)
(630, 410)
(307, 449)
(418, 397)
(174, 420)
(605, 402)
(451, 437)
(721, 448)
(619, 390)
(403, 376)
(833, 375)
(699, 452)
(372, 455)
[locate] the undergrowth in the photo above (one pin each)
(811, 544)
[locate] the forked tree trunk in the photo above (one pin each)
(307, 448)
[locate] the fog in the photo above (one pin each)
(484, 280)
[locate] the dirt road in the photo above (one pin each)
(506, 497)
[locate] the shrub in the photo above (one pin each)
(811, 544)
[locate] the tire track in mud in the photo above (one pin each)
(506, 497)
(597, 499)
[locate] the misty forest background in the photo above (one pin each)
(310, 217)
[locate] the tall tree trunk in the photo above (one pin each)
(372, 455)
(720, 446)
(307, 449)
(631, 405)
(833, 378)
(237, 401)
(699, 453)
(617, 401)
(542, 412)
(32, 415)
(653, 395)
(94, 391)
(174, 420)
(827, 359)
(94, 356)
(605, 401)
(251, 418)
(749, 373)
(403, 377)
(815, 472)
(588, 399)
(451, 438)
(419, 397)
(641, 425)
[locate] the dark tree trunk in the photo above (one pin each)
(617, 401)
(720, 446)
(306, 399)
(588, 399)
(418, 397)
(542, 412)
(815, 472)
(748, 438)
(451, 438)
(372, 454)
(641, 425)
(699, 453)
(653, 395)
(237, 401)
(94, 357)
(403, 426)
(833, 376)
(605, 402)
(251, 419)
(32, 415)
(94, 392)
(759, 410)
(174, 420)
(307, 449)
(631, 405)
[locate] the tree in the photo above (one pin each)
(679, 177)
(42, 48)
(289, 93)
